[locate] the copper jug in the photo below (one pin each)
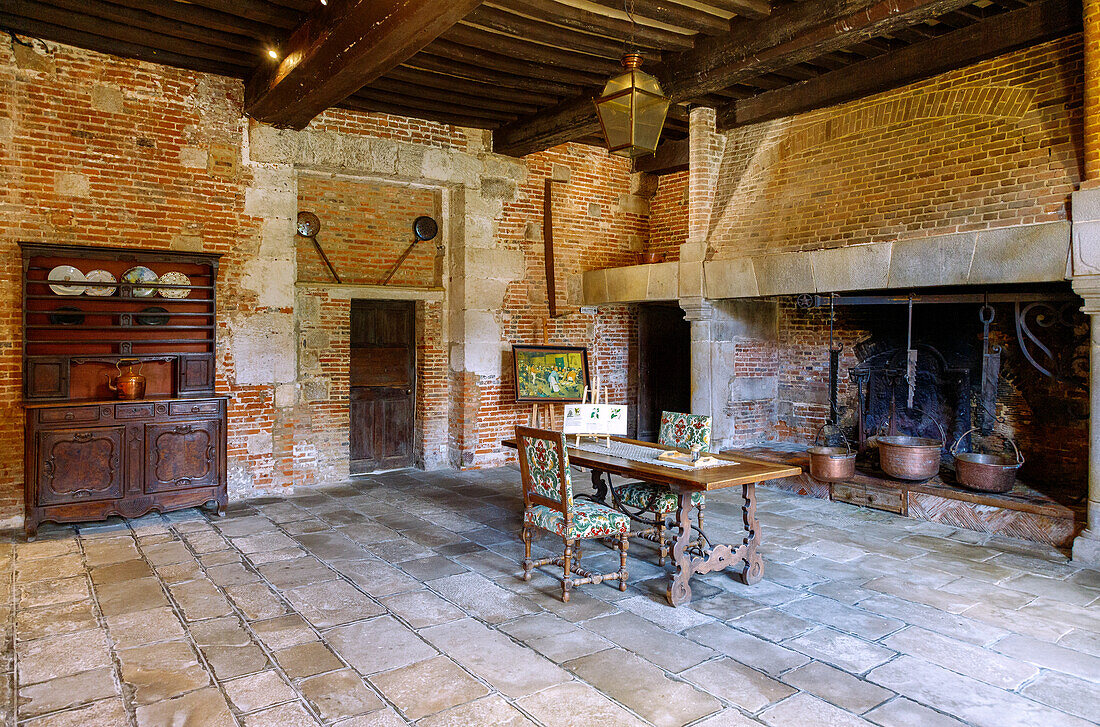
(128, 385)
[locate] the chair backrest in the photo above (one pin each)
(544, 468)
(684, 430)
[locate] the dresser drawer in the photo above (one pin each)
(190, 408)
(133, 411)
(877, 498)
(69, 414)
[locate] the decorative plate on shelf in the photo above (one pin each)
(100, 276)
(140, 274)
(67, 316)
(144, 319)
(174, 278)
(67, 273)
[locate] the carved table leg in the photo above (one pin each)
(754, 564)
(679, 590)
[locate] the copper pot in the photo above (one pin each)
(986, 472)
(911, 458)
(831, 464)
(128, 384)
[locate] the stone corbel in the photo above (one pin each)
(697, 310)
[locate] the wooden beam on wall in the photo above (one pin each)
(999, 34)
(341, 47)
(671, 156)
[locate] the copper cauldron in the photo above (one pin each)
(128, 384)
(831, 464)
(986, 472)
(911, 458)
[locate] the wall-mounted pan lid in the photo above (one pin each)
(308, 224)
(425, 228)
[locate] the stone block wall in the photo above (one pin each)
(995, 144)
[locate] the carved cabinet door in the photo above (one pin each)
(181, 455)
(78, 465)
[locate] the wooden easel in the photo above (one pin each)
(540, 417)
(597, 394)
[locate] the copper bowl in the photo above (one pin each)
(648, 258)
(832, 464)
(909, 458)
(986, 472)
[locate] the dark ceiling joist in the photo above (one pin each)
(428, 94)
(521, 26)
(484, 59)
(581, 19)
(339, 48)
(529, 51)
(999, 34)
(361, 104)
(796, 34)
(415, 104)
(754, 9)
(428, 61)
(447, 83)
(671, 156)
(256, 10)
(671, 13)
(204, 17)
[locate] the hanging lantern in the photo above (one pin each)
(632, 110)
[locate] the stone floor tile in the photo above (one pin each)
(43, 569)
(491, 710)
(112, 550)
(902, 712)
(66, 692)
(296, 572)
(231, 574)
(432, 567)
(1051, 656)
(974, 661)
(668, 651)
(805, 709)
(1066, 591)
(291, 714)
(284, 631)
(378, 645)
(537, 626)
(738, 684)
(574, 704)
(581, 606)
(60, 656)
(267, 557)
(43, 548)
(644, 688)
(105, 713)
(1069, 694)
(966, 698)
(670, 619)
(48, 593)
(202, 708)
(482, 597)
(382, 718)
(726, 606)
(728, 718)
(332, 603)
(772, 623)
(862, 623)
(331, 545)
(234, 661)
(306, 660)
(135, 628)
(750, 650)
(175, 573)
(837, 687)
(839, 649)
(981, 592)
(560, 648)
(256, 601)
(512, 669)
(339, 694)
(377, 578)
(126, 570)
(264, 542)
(200, 599)
(258, 691)
(962, 628)
(36, 623)
(490, 564)
(936, 597)
(428, 686)
(166, 553)
(140, 594)
(400, 550)
(422, 608)
(1042, 626)
(161, 671)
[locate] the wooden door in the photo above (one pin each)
(75, 465)
(664, 371)
(181, 455)
(383, 384)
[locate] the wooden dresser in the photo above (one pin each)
(87, 454)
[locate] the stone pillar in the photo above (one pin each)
(1086, 547)
(700, 314)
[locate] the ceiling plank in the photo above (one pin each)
(447, 82)
(205, 17)
(680, 16)
(507, 64)
(555, 35)
(427, 60)
(451, 96)
(361, 104)
(754, 9)
(671, 156)
(530, 51)
(257, 10)
(341, 46)
(566, 15)
(412, 104)
(999, 34)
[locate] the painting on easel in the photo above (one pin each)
(550, 374)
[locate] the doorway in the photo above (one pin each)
(664, 371)
(383, 384)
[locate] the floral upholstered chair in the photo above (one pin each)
(658, 501)
(548, 504)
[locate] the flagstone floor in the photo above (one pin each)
(395, 599)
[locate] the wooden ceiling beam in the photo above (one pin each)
(671, 156)
(529, 51)
(999, 34)
(446, 82)
(451, 96)
(483, 59)
(362, 104)
(796, 34)
(414, 104)
(561, 13)
(426, 60)
(521, 26)
(670, 13)
(113, 46)
(85, 23)
(204, 17)
(255, 10)
(753, 9)
(340, 47)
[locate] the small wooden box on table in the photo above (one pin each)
(87, 454)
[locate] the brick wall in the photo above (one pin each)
(100, 150)
(991, 145)
(668, 215)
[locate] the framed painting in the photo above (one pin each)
(549, 374)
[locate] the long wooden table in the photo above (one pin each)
(704, 558)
